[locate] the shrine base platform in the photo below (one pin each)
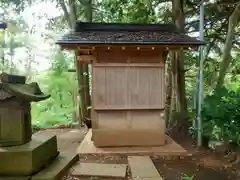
(171, 148)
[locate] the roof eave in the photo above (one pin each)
(77, 42)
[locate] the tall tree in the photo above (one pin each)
(233, 22)
(177, 63)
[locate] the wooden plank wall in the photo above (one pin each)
(128, 87)
(130, 119)
(128, 93)
(129, 56)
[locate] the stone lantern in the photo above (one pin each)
(15, 109)
(23, 154)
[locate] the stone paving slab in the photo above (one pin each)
(67, 139)
(57, 168)
(73, 134)
(143, 167)
(100, 170)
(70, 140)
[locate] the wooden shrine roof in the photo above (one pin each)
(133, 34)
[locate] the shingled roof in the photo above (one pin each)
(118, 33)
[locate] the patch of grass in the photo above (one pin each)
(186, 177)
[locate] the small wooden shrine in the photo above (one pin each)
(128, 78)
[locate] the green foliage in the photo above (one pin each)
(186, 177)
(221, 116)
(62, 86)
(19, 4)
(60, 108)
(135, 11)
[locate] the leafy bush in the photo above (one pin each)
(221, 116)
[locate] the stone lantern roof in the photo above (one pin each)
(15, 86)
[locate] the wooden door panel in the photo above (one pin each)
(116, 87)
(109, 88)
(98, 87)
(157, 88)
(146, 88)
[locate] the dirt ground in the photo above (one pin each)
(203, 164)
(177, 169)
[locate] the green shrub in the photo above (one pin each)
(221, 116)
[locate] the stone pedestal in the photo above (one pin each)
(29, 158)
(15, 123)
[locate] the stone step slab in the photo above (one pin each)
(58, 167)
(100, 170)
(142, 168)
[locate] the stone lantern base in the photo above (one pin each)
(29, 158)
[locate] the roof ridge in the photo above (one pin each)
(113, 27)
(120, 33)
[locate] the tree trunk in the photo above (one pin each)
(181, 82)
(72, 13)
(2, 51)
(81, 103)
(179, 74)
(87, 97)
(226, 57)
(71, 17)
(88, 10)
(168, 94)
(65, 12)
(88, 17)
(174, 70)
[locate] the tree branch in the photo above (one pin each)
(65, 12)
(226, 58)
(214, 39)
(72, 13)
